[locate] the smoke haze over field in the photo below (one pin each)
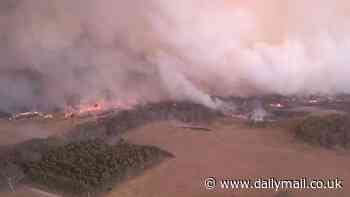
(57, 52)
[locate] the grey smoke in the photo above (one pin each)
(60, 52)
(259, 114)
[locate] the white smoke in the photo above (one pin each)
(178, 87)
(53, 52)
(295, 47)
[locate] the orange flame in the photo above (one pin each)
(97, 107)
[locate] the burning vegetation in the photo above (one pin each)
(114, 124)
(100, 64)
(97, 107)
(90, 157)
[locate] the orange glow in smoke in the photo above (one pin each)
(97, 107)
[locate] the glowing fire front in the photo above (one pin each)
(97, 107)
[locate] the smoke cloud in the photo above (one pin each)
(59, 52)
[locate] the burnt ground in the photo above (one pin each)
(107, 127)
(111, 127)
(291, 106)
(4, 115)
(111, 124)
(32, 159)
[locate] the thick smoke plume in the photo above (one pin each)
(60, 52)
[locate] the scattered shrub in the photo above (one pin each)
(330, 131)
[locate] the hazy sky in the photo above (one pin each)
(53, 51)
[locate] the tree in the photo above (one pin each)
(11, 174)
